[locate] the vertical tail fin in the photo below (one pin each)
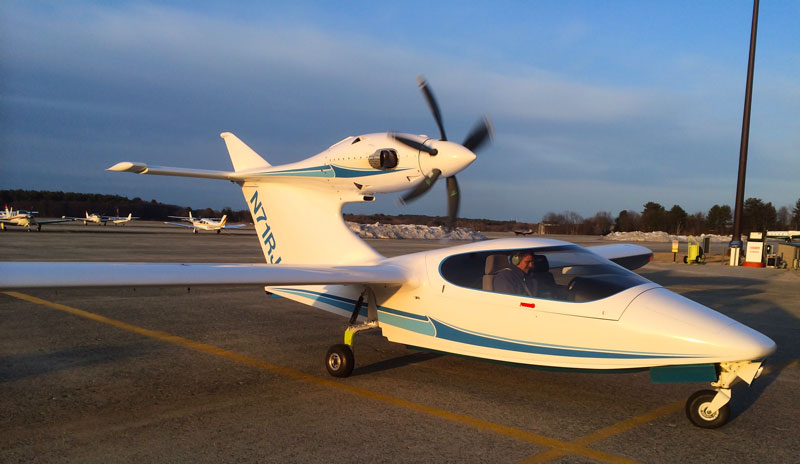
(242, 156)
(223, 220)
(296, 224)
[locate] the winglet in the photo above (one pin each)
(242, 156)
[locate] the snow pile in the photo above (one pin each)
(661, 237)
(406, 231)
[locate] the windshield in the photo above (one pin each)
(567, 273)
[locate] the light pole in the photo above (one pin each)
(736, 238)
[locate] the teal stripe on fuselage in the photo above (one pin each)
(326, 171)
(354, 172)
(314, 171)
(454, 334)
(414, 325)
(431, 327)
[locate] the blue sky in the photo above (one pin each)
(597, 106)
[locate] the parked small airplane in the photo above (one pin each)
(198, 224)
(101, 219)
(523, 231)
(583, 308)
(25, 219)
(122, 219)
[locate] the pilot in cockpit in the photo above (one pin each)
(516, 279)
(528, 275)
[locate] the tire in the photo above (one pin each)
(685, 260)
(340, 361)
(695, 406)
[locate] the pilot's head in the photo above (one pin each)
(523, 260)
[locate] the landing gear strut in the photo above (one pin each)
(340, 359)
(711, 409)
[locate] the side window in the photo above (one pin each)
(464, 270)
(564, 273)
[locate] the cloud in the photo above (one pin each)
(99, 84)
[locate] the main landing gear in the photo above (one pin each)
(340, 360)
(711, 409)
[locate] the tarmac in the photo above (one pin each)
(230, 375)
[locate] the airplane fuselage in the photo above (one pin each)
(592, 323)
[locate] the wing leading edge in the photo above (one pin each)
(626, 255)
(55, 274)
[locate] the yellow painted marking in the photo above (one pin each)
(562, 447)
(633, 422)
(607, 432)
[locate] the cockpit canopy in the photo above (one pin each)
(565, 273)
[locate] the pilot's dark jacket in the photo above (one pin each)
(513, 280)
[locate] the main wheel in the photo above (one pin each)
(340, 360)
(696, 410)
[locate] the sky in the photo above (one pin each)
(596, 106)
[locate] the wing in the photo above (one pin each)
(55, 274)
(54, 221)
(233, 226)
(626, 255)
(179, 224)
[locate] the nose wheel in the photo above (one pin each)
(700, 412)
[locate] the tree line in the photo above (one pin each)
(72, 204)
(756, 216)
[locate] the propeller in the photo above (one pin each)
(479, 134)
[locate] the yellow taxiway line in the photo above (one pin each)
(556, 448)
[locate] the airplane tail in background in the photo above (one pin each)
(281, 214)
(190, 215)
(223, 220)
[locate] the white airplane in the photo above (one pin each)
(594, 315)
(198, 224)
(101, 219)
(122, 219)
(95, 218)
(25, 219)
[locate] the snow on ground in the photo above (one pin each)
(661, 237)
(407, 231)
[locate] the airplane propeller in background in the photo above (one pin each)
(476, 138)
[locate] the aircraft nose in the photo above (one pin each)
(684, 326)
(450, 159)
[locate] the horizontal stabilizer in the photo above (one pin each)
(17, 275)
(142, 168)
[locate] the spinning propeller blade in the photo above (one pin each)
(476, 138)
(423, 84)
(479, 134)
(422, 187)
(453, 200)
(416, 145)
